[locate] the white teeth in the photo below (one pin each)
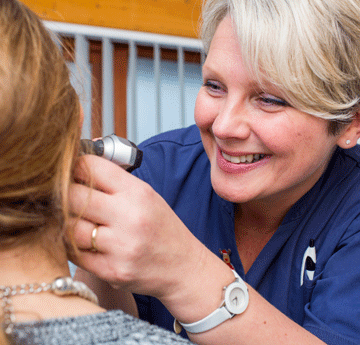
(249, 158)
(226, 156)
(243, 159)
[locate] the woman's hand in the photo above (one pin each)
(145, 248)
(142, 245)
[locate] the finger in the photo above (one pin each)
(105, 239)
(88, 203)
(101, 174)
(100, 264)
(98, 207)
(92, 262)
(82, 234)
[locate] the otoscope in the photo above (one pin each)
(118, 150)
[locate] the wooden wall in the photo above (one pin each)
(171, 17)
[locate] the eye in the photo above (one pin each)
(271, 103)
(213, 86)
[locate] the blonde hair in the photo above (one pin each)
(39, 127)
(310, 49)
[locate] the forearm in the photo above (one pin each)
(260, 324)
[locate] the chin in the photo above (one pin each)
(229, 193)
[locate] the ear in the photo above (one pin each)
(351, 134)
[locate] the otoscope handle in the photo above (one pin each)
(116, 149)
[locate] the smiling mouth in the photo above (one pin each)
(245, 159)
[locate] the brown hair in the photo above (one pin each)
(39, 126)
(39, 129)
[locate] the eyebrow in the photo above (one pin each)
(250, 83)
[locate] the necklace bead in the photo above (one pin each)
(63, 286)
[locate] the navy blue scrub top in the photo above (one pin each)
(176, 166)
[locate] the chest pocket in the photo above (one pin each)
(308, 286)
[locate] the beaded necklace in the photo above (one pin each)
(63, 286)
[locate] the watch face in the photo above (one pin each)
(236, 298)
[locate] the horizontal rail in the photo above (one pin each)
(118, 35)
(136, 98)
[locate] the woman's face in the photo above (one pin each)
(259, 147)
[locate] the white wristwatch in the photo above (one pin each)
(235, 302)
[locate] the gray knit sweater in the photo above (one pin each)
(112, 327)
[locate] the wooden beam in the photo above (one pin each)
(121, 59)
(170, 17)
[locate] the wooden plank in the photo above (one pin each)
(121, 57)
(95, 60)
(170, 17)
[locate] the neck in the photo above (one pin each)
(263, 218)
(254, 226)
(39, 261)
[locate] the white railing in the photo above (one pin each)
(83, 33)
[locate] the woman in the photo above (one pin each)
(270, 172)
(40, 136)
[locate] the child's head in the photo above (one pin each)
(39, 126)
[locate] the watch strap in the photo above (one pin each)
(215, 318)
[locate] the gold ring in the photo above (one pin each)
(93, 238)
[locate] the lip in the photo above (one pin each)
(238, 168)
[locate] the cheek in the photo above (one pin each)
(291, 132)
(303, 140)
(276, 135)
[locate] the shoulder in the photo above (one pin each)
(183, 137)
(333, 210)
(112, 327)
(348, 157)
(345, 179)
(134, 330)
(343, 172)
(170, 159)
(171, 148)
(353, 153)
(339, 191)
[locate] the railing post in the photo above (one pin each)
(181, 71)
(83, 81)
(157, 75)
(132, 116)
(108, 123)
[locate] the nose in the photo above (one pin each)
(232, 121)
